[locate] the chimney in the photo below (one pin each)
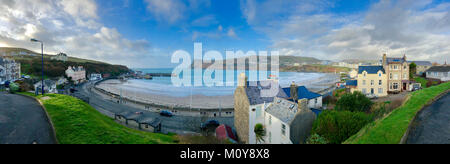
(294, 91)
(384, 59)
(404, 57)
(242, 82)
(303, 105)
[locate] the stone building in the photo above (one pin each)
(397, 70)
(249, 107)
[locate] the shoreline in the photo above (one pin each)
(114, 88)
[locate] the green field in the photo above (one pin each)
(391, 129)
(76, 122)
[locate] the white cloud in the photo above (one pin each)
(176, 11)
(69, 26)
(399, 26)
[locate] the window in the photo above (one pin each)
(395, 85)
(380, 90)
(404, 76)
(270, 137)
(365, 74)
(390, 76)
(372, 82)
(364, 90)
(316, 101)
(283, 129)
(379, 74)
(270, 120)
(380, 82)
(395, 76)
(364, 82)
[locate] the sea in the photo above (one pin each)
(164, 86)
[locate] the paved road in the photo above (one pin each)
(176, 124)
(432, 125)
(23, 121)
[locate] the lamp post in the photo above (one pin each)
(42, 53)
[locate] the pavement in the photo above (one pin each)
(23, 121)
(432, 125)
(176, 124)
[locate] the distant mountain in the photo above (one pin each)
(31, 63)
(285, 61)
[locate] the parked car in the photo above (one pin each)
(166, 113)
(210, 124)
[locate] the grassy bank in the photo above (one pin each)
(78, 123)
(390, 130)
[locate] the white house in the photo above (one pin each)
(439, 72)
(95, 77)
(78, 74)
(60, 57)
(49, 86)
(287, 122)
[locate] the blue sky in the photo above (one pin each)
(145, 33)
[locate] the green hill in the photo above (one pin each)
(31, 63)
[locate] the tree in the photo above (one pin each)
(354, 102)
(316, 139)
(260, 133)
(338, 126)
(412, 70)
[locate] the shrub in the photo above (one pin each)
(338, 126)
(260, 133)
(316, 139)
(13, 87)
(354, 102)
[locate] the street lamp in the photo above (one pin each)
(42, 52)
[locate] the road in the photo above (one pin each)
(432, 125)
(176, 124)
(23, 121)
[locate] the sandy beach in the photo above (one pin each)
(147, 96)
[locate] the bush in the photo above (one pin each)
(13, 87)
(316, 139)
(338, 126)
(354, 102)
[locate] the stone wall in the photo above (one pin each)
(241, 114)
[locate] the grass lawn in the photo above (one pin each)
(391, 129)
(76, 122)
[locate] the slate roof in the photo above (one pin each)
(283, 109)
(370, 69)
(254, 93)
(303, 93)
(352, 82)
(439, 69)
(422, 63)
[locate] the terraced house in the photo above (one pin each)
(397, 70)
(378, 81)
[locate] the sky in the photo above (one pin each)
(145, 33)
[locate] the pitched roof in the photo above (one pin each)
(371, 69)
(351, 82)
(303, 93)
(439, 69)
(254, 93)
(283, 109)
(423, 63)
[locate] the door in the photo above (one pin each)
(404, 86)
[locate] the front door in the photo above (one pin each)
(404, 86)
